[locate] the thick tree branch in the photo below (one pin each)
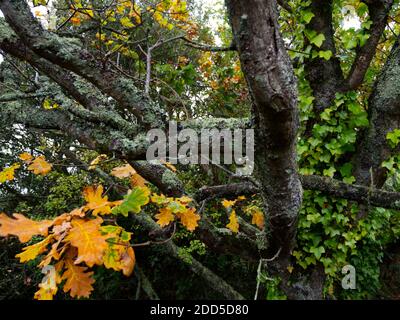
(331, 187)
(69, 54)
(378, 12)
(384, 116)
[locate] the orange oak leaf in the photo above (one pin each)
(137, 180)
(258, 219)
(233, 224)
(124, 171)
(128, 261)
(23, 227)
(165, 217)
(189, 218)
(79, 281)
(86, 236)
(26, 157)
(40, 166)
(95, 201)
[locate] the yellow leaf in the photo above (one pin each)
(290, 269)
(124, 171)
(95, 201)
(169, 165)
(258, 219)
(233, 224)
(26, 157)
(96, 161)
(40, 166)
(85, 235)
(184, 200)
(228, 203)
(22, 227)
(165, 217)
(31, 252)
(79, 281)
(240, 198)
(128, 261)
(189, 218)
(8, 173)
(126, 22)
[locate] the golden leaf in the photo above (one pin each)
(165, 217)
(228, 203)
(26, 157)
(124, 171)
(79, 281)
(96, 161)
(233, 224)
(31, 252)
(189, 218)
(22, 227)
(95, 201)
(8, 173)
(184, 200)
(258, 219)
(40, 166)
(85, 235)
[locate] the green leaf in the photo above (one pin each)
(318, 251)
(325, 54)
(39, 3)
(393, 137)
(133, 202)
(306, 16)
(318, 40)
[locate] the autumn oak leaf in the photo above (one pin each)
(189, 219)
(258, 219)
(123, 171)
(86, 236)
(78, 280)
(233, 224)
(23, 227)
(164, 217)
(40, 166)
(95, 201)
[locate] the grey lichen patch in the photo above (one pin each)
(6, 33)
(169, 178)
